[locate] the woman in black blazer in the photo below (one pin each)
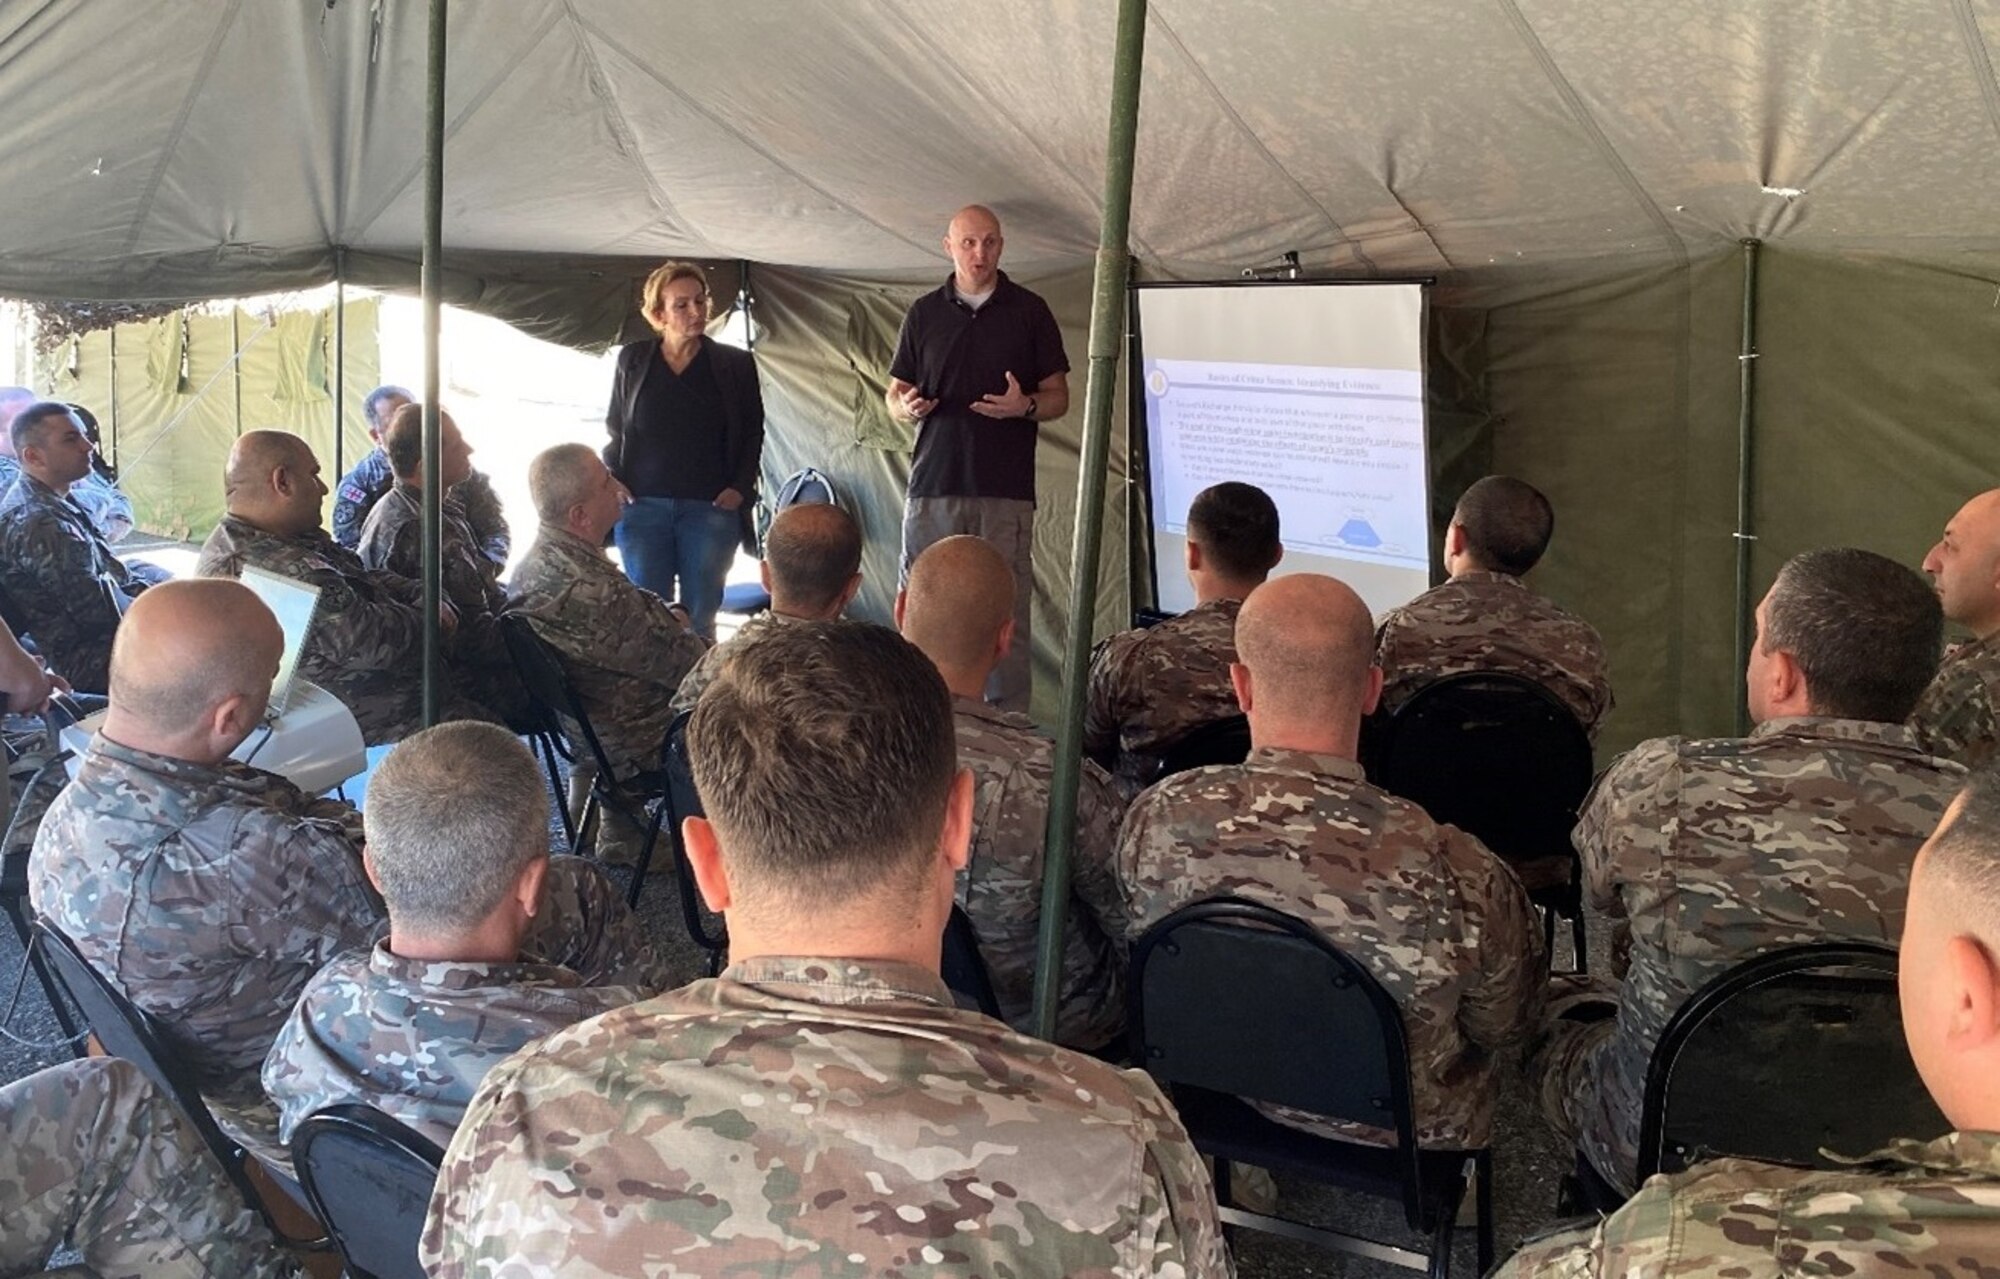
(687, 434)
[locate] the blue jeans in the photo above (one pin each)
(667, 539)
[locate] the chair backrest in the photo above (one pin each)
(369, 1179)
(1221, 741)
(1785, 1054)
(554, 698)
(1493, 754)
(964, 968)
(130, 1032)
(684, 801)
(1234, 997)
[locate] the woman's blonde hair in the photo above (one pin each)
(661, 279)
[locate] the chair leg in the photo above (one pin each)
(645, 855)
(1576, 936)
(1485, 1207)
(557, 791)
(582, 825)
(1222, 1197)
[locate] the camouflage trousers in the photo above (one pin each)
(1581, 1016)
(93, 1158)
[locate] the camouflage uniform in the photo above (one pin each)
(1484, 621)
(414, 1037)
(1711, 852)
(1001, 888)
(371, 477)
(208, 895)
(817, 1116)
(1954, 717)
(1917, 1208)
(623, 650)
(367, 639)
(110, 511)
(66, 587)
(1438, 920)
(93, 1158)
(392, 540)
(710, 665)
(1153, 686)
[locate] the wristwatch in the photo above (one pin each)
(1030, 414)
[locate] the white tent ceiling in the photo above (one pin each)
(191, 147)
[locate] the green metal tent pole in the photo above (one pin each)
(339, 364)
(433, 287)
(1107, 330)
(1746, 537)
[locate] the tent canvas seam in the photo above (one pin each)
(201, 75)
(1982, 58)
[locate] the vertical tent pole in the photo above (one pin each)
(339, 364)
(433, 286)
(1107, 327)
(1746, 537)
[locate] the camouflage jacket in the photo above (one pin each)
(110, 511)
(1954, 717)
(209, 895)
(63, 584)
(1001, 888)
(704, 672)
(824, 1117)
(1492, 622)
(1917, 1208)
(414, 1037)
(625, 652)
(93, 1157)
(371, 477)
(1438, 920)
(367, 638)
(1711, 852)
(1153, 686)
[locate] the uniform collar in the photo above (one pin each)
(1277, 757)
(565, 540)
(1961, 1152)
(1488, 577)
(979, 709)
(844, 981)
(458, 974)
(1832, 728)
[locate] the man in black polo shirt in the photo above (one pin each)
(979, 363)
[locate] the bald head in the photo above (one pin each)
(183, 650)
(1308, 645)
(812, 556)
(959, 599)
(272, 481)
(1965, 565)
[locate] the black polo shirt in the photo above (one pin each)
(956, 355)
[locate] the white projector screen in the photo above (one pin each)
(1314, 392)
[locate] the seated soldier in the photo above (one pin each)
(366, 643)
(1928, 1205)
(623, 648)
(392, 540)
(1151, 687)
(98, 494)
(206, 890)
(94, 1159)
(822, 1107)
(66, 588)
(959, 609)
(1486, 619)
(1954, 717)
(1711, 851)
(1441, 922)
(811, 567)
(371, 478)
(491, 941)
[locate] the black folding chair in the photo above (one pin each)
(707, 929)
(14, 893)
(128, 1031)
(1221, 741)
(964, 968)
(1233, 1002)
(369, 1178)
(549, 688)
(1788, 1054)
(1503, 758)
(544, 731)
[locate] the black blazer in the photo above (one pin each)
(742, 404)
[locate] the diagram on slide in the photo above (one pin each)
(1341, 451)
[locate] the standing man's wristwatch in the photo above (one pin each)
(1030, 414)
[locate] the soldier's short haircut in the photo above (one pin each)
(824, 754)
(814, 550)
(1507, 523)
(372, 406)
(558, 478)
(1866, 631)
(28, 423)
(1236, 527)
(403, 439)
(454, 815)
(1966, 851)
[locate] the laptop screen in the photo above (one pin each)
(294, 602)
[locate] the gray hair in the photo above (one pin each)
(557, 479)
